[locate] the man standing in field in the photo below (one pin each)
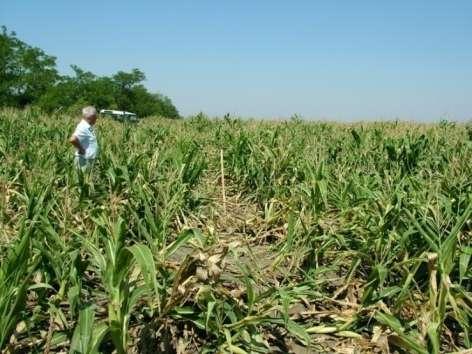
(84, 139)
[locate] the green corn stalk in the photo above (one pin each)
(88, 335)
(15, 276)
(115, 264)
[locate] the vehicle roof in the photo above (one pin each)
(120, 113)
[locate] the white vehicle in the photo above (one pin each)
(120, 115)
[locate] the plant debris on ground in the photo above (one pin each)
(232, 236)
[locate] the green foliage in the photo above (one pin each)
(88, 335)
(122, 91)
(327, 235)
(28, 76)
(15, 275)
(26, 73)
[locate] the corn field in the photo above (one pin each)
(232, 236)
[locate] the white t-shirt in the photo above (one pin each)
(87, 139)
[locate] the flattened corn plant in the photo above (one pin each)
(365, 230)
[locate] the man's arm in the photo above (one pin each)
(75, 141)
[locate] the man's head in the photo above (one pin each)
(89, 114)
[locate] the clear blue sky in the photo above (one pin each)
(341, 60)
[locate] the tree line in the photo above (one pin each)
(29, 77)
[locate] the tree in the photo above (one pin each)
(166, 107)
(29, 76)
(127, 91)
(126, 81)
(26, 73)
(83, 88)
